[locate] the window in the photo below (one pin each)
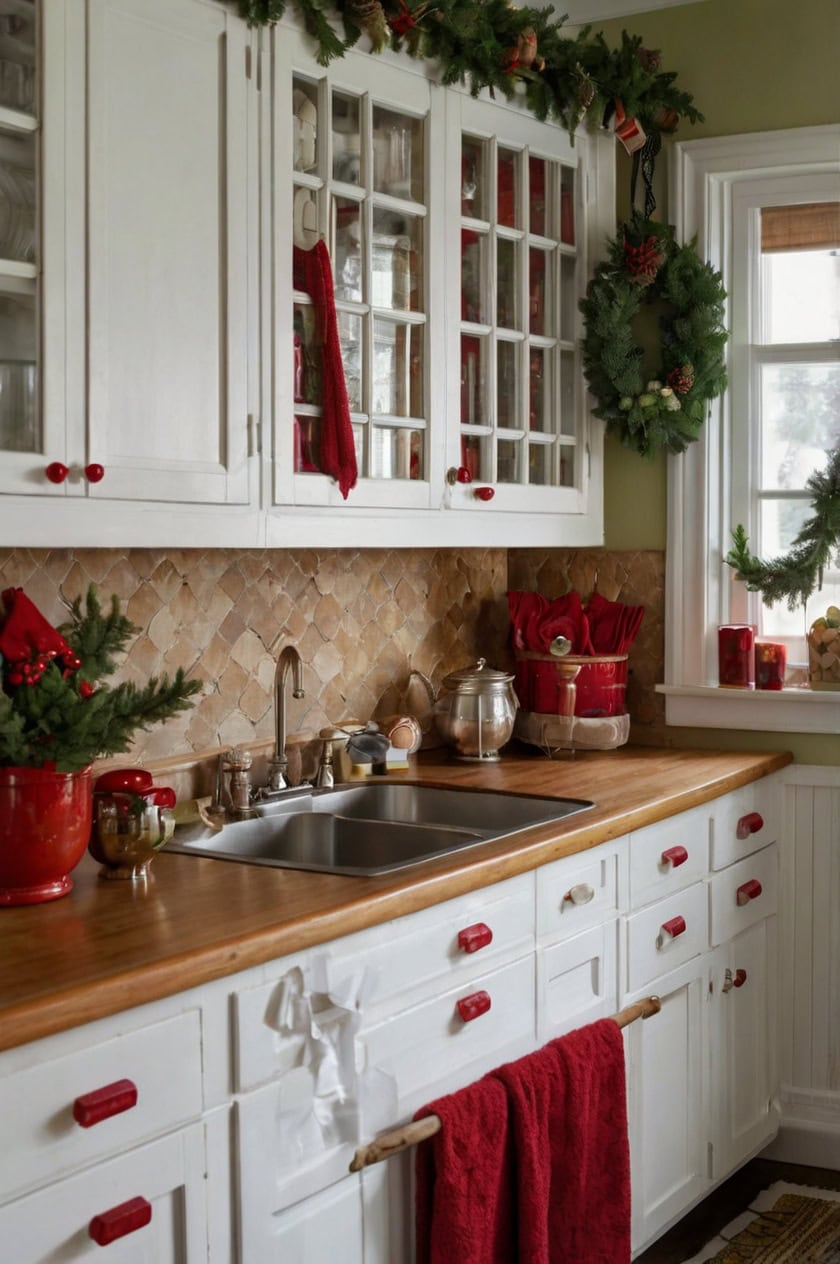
(766, 211)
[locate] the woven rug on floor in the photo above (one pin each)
(797, 1229)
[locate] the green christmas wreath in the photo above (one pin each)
(645, 265)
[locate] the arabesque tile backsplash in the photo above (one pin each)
(361, 620)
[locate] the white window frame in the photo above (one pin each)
(700, 589)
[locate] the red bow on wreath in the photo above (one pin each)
(403, 22)
(643, 261)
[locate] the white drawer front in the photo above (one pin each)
(745, 821)
(665, 935)
(427, 950)
(36, 1104)
(53, 1224)
(744, 893)
(580, 891)
(669, 855)
(577, 981)
(430, 1046)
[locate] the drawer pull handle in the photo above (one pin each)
(470, 1007)
(582, 893)
(119, 1221)
(669, 930)
(471, 938)
(749, 891)
(674, 857)
(730, 980)
(749, 824)
(102, 1103)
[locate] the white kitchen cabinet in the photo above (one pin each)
(146, 278)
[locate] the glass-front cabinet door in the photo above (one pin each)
(22, 437)
(516, 222)
(361, 145)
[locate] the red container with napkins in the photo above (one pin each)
(544, 684)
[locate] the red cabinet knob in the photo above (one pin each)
(749, 891)
(94, 473)
(462, 475)
(740, 978)
(119, 1221)
(674, 856)
(670, 930)
(749, 824)
(471, 938)
(484, 493)
(56, 471)
(470, 1007)
(102, 1103)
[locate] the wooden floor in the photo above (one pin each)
(727, 1202)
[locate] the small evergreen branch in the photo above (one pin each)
(95, 637)
(797, 574)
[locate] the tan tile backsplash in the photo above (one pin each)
(360, 619)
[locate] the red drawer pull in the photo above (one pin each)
(471, 938)
(674, 856)
(102, 1103)
(119, 1221)
(470, 1007)
(740, 978)
(749, 824)
(749, 891)
(670, 930)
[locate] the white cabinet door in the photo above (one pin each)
(744, 1076)
(322, 1229)
(146, 1207)
(167, 303)
(667, 1100)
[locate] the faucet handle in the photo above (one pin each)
(325, 778)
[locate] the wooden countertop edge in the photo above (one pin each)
(49, 1013)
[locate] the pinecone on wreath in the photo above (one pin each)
(644, 260)
(369, 16)
(681, 379)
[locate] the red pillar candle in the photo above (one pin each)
(770, 663)
(736, 662)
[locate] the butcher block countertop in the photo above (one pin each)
(108, 946)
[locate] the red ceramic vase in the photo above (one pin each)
(45, 822)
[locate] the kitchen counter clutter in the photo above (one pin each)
(194, 1061)
(108, 946)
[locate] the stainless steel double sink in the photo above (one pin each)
(366, 829)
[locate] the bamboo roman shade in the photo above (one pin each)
(812, 226)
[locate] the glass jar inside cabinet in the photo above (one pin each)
(521, 276)
(360, 185)
(20, 422)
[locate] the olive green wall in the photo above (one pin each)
(751, 66)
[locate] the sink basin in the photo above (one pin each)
(369, 829)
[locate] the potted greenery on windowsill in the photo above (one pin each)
(56, 717)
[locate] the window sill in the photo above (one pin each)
(797, 710)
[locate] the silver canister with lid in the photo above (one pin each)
(475, 711)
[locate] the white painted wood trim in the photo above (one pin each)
(785, 711)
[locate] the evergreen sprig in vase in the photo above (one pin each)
(56, 718)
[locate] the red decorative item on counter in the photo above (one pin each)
(45, 821)
(770, 664)
(736, 661)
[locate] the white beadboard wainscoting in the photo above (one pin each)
(809, 1009)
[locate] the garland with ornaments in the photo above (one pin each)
(797, 574)
(646, 265)
(492, 44)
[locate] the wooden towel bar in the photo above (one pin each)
(398, 1139)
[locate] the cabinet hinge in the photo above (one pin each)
(248, 60)
(254, 436)
(710, 1159)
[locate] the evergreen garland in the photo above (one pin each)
(646, 265)
(63, 717)
(475, 43)
(796, 575)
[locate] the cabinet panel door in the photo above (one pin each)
(319, 1230)
(743, 1050)
(168, 186)
(667, 1096)
(54, 1223)
(576, 981)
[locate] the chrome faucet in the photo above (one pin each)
(288, 661)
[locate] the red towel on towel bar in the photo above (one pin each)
(532, 1165)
